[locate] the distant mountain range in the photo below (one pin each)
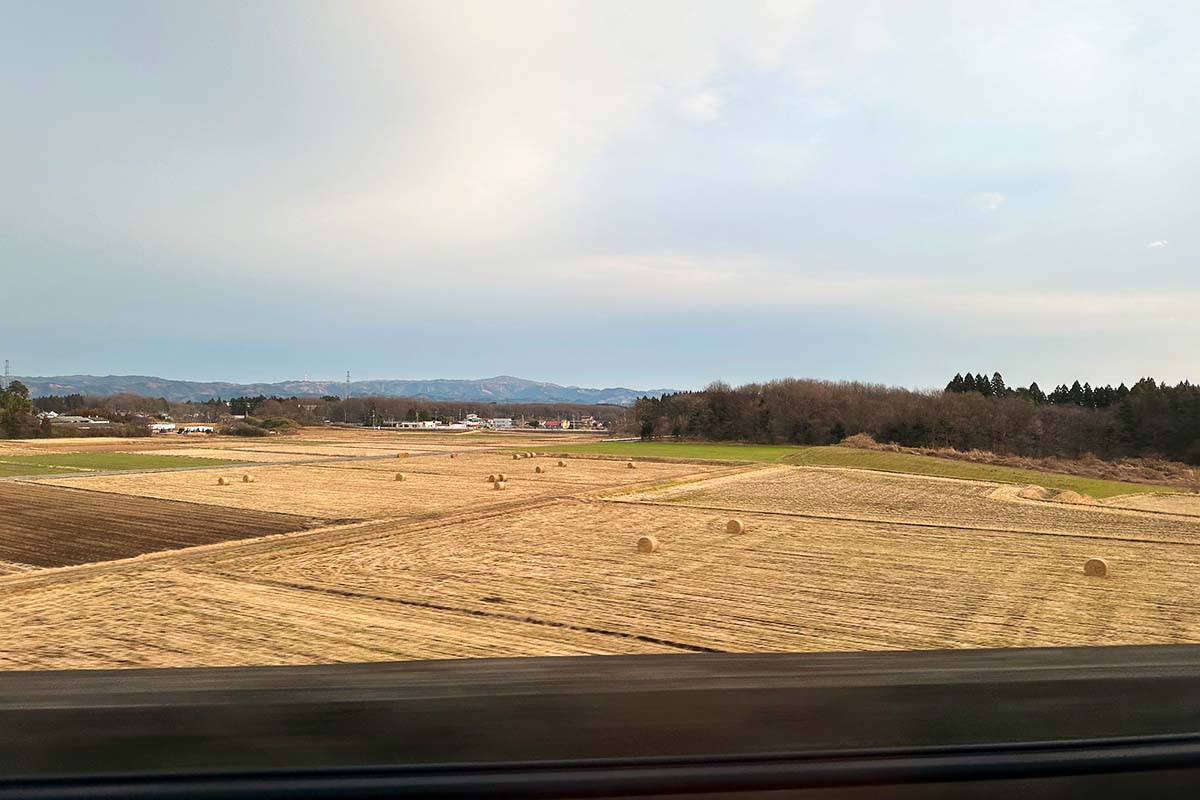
(502, 389)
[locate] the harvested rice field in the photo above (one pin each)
(323, 556)
(1188, 504)
(835, 493)
(356, 490)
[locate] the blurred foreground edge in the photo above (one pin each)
(1051, 722)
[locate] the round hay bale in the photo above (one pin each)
(492, 478)
(221, 482)
(647, 544)
(516, 456)
(502, 476)
(1096, 567)
(454, 455)
(499, 485)
(735, 526)
(562, 463)
(529, 455)
(631, 465)
(247, 478)
(401, 455)
(539, 468)
(399, 477)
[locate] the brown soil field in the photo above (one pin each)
(45, 526)
(835, 493)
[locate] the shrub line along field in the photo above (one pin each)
(443, 564)
(882, 461)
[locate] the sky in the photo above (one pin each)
(644, 194)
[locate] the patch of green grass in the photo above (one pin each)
(949, 468)
(70, 462)
(704, 452)
(15, 470)
(866, 459)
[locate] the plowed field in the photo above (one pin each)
(46, 526)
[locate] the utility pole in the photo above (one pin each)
(345, 398)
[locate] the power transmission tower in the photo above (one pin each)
(347, 397)
(4, 383)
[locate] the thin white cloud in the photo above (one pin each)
(703, 106)
(988, 201)
(740, 283)
(1158, 243)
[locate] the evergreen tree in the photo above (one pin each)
(955, 385)
(1036, 394)
(983, 385)
(1127, 426)
(1075, 394)
(1088, 396)
(969, 383)
(998, 387)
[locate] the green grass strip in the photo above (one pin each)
(112, 461)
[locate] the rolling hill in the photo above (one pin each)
(499, 389)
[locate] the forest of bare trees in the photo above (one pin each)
(1149, 419)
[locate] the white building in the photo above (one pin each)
(83, 422)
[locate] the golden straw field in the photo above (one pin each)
(325, 557)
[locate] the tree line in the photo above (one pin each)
(1150, 419)
(134, 413)
(1076, 394)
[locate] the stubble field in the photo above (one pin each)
(441, 565)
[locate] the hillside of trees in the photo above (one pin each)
(1148, 419)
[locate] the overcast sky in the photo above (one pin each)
(645, 194)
